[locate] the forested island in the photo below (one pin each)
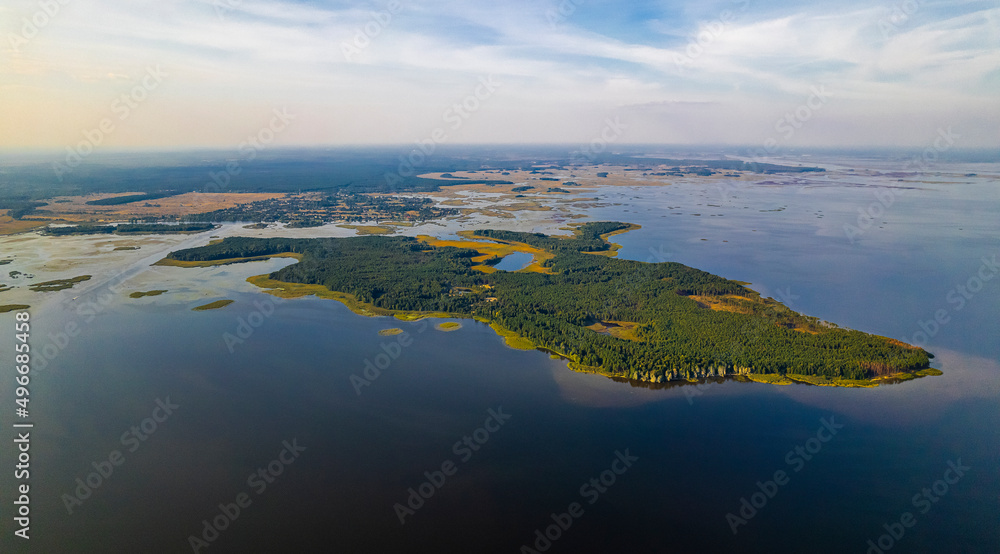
(652, 322)
(129, 229)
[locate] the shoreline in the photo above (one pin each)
(284, 289)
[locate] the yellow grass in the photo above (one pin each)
(213, 305)
(390, 332)
(282, 289)
(182, 204)
(11, 226)
(769, 378)
(493, 247)
(140, 294)
(417, 316)
(619, 329)
(448, 326)
(58, 284)
(512, 339)
(369, 229)
(928, 371)
(724, 303)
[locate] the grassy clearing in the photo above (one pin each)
(58, 284)
(13, 307)
(417, 316)
(369, 229)
(489, 248)
(512, 339)
(619, 329)
(213, 305)
(140, 294)
(724, 303)
(581, 368)
(11, 226)
(226, 261)
(769, 378)
(822, 381)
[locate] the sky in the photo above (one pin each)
(218, 73)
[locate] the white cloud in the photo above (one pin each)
(428, 53)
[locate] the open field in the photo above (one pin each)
(370, 229)
(75, 208)
(494, 247)
(11, 226)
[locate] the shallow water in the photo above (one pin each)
(514, 261)
(248, 377)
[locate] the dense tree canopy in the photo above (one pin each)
(672, 335)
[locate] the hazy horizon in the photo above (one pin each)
(201, 74)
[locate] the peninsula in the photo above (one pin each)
(653, 322)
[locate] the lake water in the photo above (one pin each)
(514, 261)
(256, 377)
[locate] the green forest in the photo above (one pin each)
(129, 229)
(672, 335)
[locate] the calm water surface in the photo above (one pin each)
(249, 378)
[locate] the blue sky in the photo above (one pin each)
(786, 73)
